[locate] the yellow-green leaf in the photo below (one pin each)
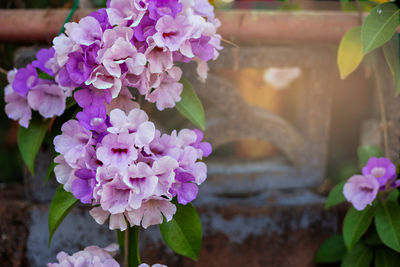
(350, 53)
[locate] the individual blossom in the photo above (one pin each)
(126, 12)
(73, 142)
(169, 91)
(48, 99)
(91, 256)
(117, 150)
(361, 190)
(45, 61)
(25, 79)
(17, 107)
(152, 212)
(381, 168)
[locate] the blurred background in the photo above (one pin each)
(284, 128)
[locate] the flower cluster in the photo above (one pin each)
(27, 92)
(92, 256)
(379, 174)
(129, 169)
(131, 43)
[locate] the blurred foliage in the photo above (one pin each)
(11, 163)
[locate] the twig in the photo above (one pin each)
(381, 102)
(126, 247)
(3, 71)
(360, 12)
(236, 53)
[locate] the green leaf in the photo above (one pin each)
(387, 221)
(60, 206)
(332, 250)
(29, 141)
(350, 53)
(183, 233)
(335, 196)
(355, 224)
(50, 171)
(379, 26)
(360, 256)
(43, 75)
(371, 237)
(367, 151)
(385, 257)
(190, 105)
(391, 52)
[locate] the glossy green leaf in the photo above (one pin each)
(190, 105)
(355, 224)
(379, 26)
(350, 53)
(385, 257)
(387, 222)
(360, 256)
(332, 250)
(183, 234)
(43, 75)
(29, 141)
(367, 151)
(391, 52)
(60, 206)
(335, 196)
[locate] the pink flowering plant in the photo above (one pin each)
(109, 154)
(371, 227)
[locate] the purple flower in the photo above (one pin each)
(90, 256)
(17, 107)
(381, 168)
(117, 150)
(361, 190)
(93, 118)
(45, 61)
(82, 187)
(160, 8)
(101, 16)
(160, 59)
(48, 99)
(25, 79)
(184, 187)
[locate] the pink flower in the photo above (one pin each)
(48, 99)
(160, 59)
(73, 142)
(118, 49)
(142, 182)
(172, 32)
(92, 256)
(361, 190)
(151, 212)
(103, 80)
(169, 91)
(117, 150)
(86, 32)
(121, 12)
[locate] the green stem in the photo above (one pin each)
(71, 13)
(134, 254)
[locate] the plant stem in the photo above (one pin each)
(71, 13)
(131, 247)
